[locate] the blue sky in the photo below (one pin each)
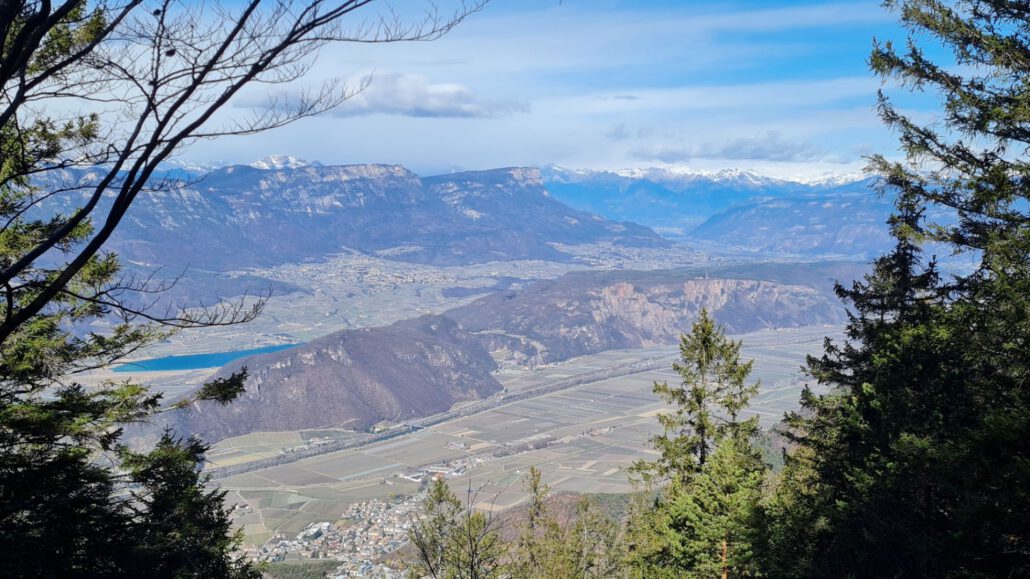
(781, 87)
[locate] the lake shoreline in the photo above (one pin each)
(195, 361)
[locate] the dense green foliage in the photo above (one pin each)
(180, 527)
(702, 523)
(917, 463)
(704, 407)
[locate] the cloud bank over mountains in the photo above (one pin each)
(768, 146)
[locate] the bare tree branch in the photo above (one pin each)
(164, 69)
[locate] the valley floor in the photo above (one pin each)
(581, 438)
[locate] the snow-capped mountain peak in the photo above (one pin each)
(742, 177)
(684, 176)
(831, 179)
(276, 162)
(196, 167)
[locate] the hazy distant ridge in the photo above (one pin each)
(736, 208)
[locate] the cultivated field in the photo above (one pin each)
(581, 438)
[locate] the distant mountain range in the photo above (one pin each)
(284, 211)
(676, 202)
(735, 208)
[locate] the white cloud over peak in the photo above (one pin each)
(768, 146)
(414, 96)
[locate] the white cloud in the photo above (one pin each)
(769, 146)
(414, 96)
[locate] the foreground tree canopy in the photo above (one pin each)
(916, 464)
(151, 76)
(915, 461)
(701, 524)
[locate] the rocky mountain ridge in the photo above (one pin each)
(589, 312)
(357, 378)
(287, 211)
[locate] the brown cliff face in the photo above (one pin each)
(585, 313)
(352, 379)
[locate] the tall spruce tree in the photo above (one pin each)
(702, 521)
(705, 406)
(916, 463)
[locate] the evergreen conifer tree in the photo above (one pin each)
(701, 523)
(915, 463)
(714, 521)
(182, 528)
(705, 406)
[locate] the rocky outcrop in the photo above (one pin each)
(357, 378)
(584, 313)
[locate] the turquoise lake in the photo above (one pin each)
(195, 361)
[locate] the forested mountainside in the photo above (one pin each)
(852, 224)
(352, 379)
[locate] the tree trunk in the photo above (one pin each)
(725, 567)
